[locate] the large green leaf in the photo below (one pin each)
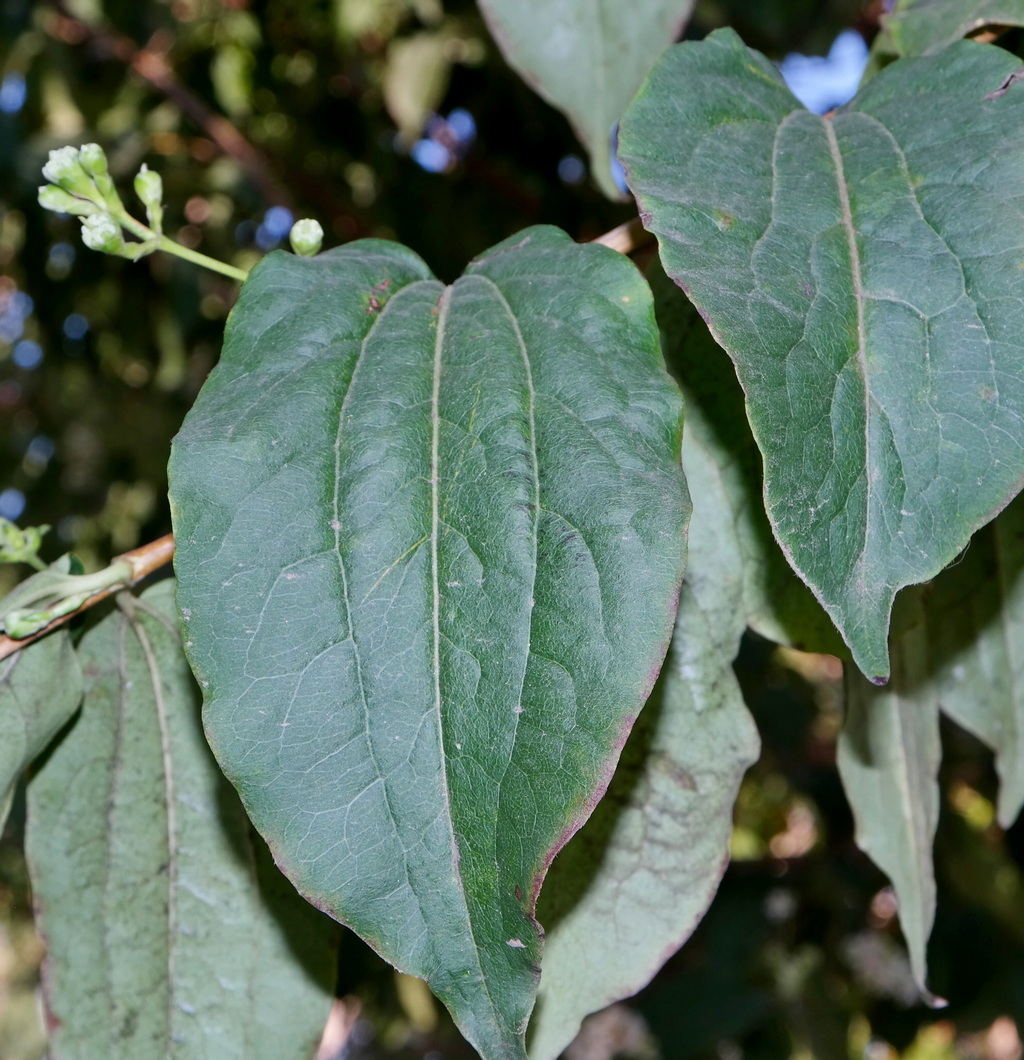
(919, 27)
(450, 523)
(864, 274)
(587, 58)
(40, 688)
(167, 935)
(888, 758)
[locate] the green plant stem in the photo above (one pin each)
(165, 243)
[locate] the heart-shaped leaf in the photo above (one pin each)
(864, 273)
(451, 523)
(587, 58)
(167, 932)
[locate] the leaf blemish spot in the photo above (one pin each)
(516, 944)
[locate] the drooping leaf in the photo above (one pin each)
(630, 888)
(451, 522)
(869, 293)
(973, 614)
(922, 27)
(587, 58)
(166, 934)
(888, 757)
(40, 688)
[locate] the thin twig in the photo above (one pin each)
(627, 238)
(150, 63)
(143, 561)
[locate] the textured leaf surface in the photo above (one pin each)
(166, 933)
(587, 58)
(888, 758)
(450, 520)
(919, 27)
(772, 599)
(40, 688)
(864, 274)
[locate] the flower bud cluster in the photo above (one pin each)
(79, 183)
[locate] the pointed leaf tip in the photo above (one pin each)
(453, 523)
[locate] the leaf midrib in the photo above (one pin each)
(535, 476)
(443, 308)
(861, 355)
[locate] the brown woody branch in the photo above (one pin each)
(143, 562)
(150, 63)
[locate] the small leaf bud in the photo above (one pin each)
(18, 545)
(60, 201)
(306, 237)
(101, 232)
(150, 189)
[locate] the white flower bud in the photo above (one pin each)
(150, 189)
(94, 161)
(306, 237)
(101, 232)
(60, 201)
(65, 170)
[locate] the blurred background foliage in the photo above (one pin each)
(399, 119)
